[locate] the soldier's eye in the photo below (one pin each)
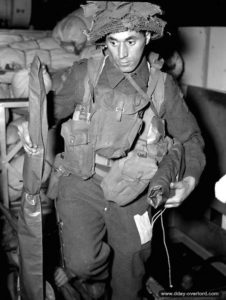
(131, 42)
(113, 43)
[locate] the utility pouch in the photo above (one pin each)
(160, 149)
(158, 143)
(128, 178)
(58, 170)
(79, 152)
(114, 137)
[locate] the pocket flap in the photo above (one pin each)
(74, 136)
(81, 138)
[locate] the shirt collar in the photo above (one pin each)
(115, 76)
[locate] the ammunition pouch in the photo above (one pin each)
(79, 151)
(116, 121)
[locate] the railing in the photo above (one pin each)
(6, 156)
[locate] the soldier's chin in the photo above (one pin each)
(127, 68)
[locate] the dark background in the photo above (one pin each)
(45, 13)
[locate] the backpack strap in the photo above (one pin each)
(94, 69)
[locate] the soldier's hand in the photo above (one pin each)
(47, 80)
(182, 189)
(60, 277)
(24, 135)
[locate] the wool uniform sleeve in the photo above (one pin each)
(68, 89)
(181, 124)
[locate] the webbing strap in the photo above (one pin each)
(151, 89)
(94, 69)
(153, 80)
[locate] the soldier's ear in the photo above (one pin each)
(147, 37)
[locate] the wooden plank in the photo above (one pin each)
(179, 236)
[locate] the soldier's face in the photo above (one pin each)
(126, 49)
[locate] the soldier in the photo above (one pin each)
(127, 116)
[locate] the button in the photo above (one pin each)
(72, 140)
(142, 154)
(60, 169)
(31, 199)
(137, 101)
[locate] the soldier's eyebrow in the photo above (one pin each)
(132, 37)
(110, 38)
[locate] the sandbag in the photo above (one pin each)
(25, 45)
(72, 28)
(91, 51)
(45, 43)
(20, 83)
(11, 134)
(4, 91)
(15, 182)
(60, 59)
(48, 43)
(11, 59)
(6, 38)
(43, 55)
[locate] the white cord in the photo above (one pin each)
(154, 218)
(156, 215)
(167, 253)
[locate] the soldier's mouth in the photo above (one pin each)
(124, 64)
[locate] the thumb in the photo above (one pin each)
(26, 133)
(176, 185)
(47, 79)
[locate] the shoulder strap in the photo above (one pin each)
(94, 69)
(153, 80)
(156, 87)
(156, 84)
(155, 75)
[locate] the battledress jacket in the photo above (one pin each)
(180, 122)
